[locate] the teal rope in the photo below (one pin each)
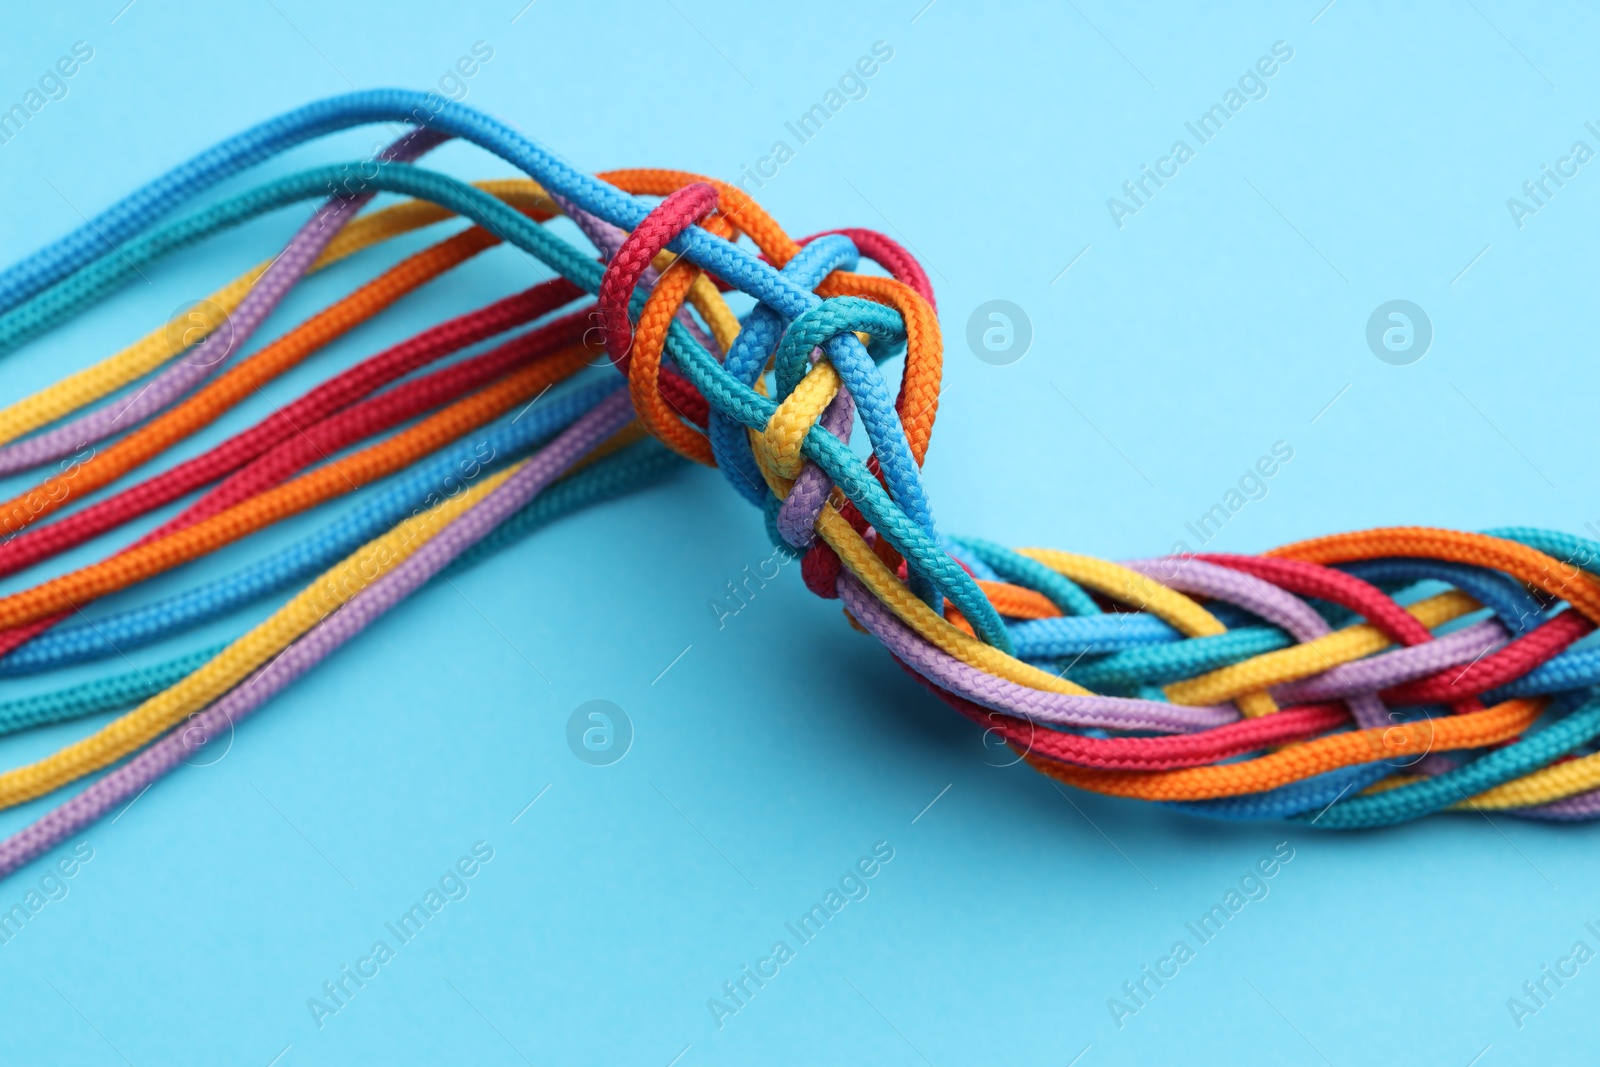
(614, 476)
(102, 694)
(881, 508)
(1496, 768)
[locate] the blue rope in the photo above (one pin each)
(605, 479)
(399, 496)
(909, 530)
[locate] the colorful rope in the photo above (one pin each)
(1354, 680)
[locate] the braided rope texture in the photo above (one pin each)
(1354, 680)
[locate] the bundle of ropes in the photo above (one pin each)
(1348, 681)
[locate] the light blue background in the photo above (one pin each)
(1225, 316)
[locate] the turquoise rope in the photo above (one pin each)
(1487, 771)
(615, 475)
(911, 530)
(880, 508)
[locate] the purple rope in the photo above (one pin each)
(797, 516)
(610, 415)
(608, 240)
(1257, 596)
(1396, 667)
(1057, 709)
(1567, 809)
(1356, 683)
(1276, 605)
(197, 364)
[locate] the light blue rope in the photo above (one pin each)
(610, 477)
(910, 530)
(397, 497)
(144, 207)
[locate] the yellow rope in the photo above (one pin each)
(1313, 657)
(856, 554)
(1542, 786)
(332, 588)
(1135, 589)
(161, 345)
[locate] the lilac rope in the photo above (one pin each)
(610, 415)
(1276, 605)
(1398, 666)
(1567, 809)
(1284, 609)
(608, 240)
(197, 364)
(1356, 683)
(1057, 709)
(797, 516)
(1259, 597)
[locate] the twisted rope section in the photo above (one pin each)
(1408, 675)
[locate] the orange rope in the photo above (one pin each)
(1405, 741)
(71, 591)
